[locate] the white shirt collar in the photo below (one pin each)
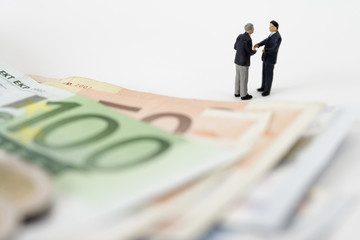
(272, 33)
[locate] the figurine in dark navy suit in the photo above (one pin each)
(269, 57)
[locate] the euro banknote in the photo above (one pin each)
(288, 122)
(313, 220)
(101, 161)
(286, 186)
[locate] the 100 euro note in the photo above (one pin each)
(288, 121)
(102, 162)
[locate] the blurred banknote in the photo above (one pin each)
(281, 191)
(287, 123)
(102, 162)
(312, 220)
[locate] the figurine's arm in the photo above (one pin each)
(275, 47)
(249, 48)
(262, 43)
(235, 45)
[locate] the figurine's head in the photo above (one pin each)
(249, 28)
(274, 26)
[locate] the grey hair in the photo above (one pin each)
(248, 26)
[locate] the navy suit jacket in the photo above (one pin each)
(272, 45)
(243, 47)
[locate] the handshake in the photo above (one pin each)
(257, 46)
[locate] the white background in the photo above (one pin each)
(184, 48)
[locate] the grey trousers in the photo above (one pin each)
(241, 80)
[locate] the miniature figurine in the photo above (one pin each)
(269, 57)
(243, 47)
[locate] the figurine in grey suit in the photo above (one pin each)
(269, 57)
(243, 47)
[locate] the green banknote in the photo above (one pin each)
(100, 159)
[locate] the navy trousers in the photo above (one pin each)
(267, 76)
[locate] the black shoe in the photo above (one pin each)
(237, 95)
(266, 93)
(261, 89)
(247, 97)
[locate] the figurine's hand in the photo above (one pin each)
(263, 50)
(256, 46)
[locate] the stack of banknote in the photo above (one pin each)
(90, 160)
